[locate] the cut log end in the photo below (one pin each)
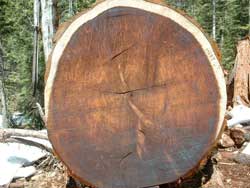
(135, 95)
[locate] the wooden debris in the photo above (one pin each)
(17, 185)
(239, 136)
(227, 155)
(27, 137)
(41, 113)
(30, 142)
(225, 141)
(216, 179)
(7, 133)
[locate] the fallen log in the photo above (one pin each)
(29, 142)
(135, 95)
(7, 133)
(28, 137)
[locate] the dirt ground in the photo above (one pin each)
(234, 175)
(221, 172)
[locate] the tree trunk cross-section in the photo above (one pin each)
(135, 95)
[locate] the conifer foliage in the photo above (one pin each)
(226, 21)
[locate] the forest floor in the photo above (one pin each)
(234, 175)
(221, 171)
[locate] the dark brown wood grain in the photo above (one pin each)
(134, 103)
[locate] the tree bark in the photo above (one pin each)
(4, 108)
(28, 137)
(40, 110)
(7, 133)
(2, 91)
(76, 5)
(35, 45)
(71, 12)
(249, 17)
(214, 20)
(48, 8)
(29, 142)
(242, 73)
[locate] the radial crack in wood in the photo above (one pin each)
(135, 92)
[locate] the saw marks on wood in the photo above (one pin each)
(135, 101)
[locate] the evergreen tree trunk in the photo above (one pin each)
(76, 5)
(242, 73)
(249, 16)
(4, 108)
(35, 45)
(214, 19)
(48, 25)
(71, 8)
(2, 92)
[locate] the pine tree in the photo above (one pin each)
(16, 38)
(16, 35)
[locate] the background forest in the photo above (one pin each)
(226, 21)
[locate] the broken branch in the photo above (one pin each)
(7, 133)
